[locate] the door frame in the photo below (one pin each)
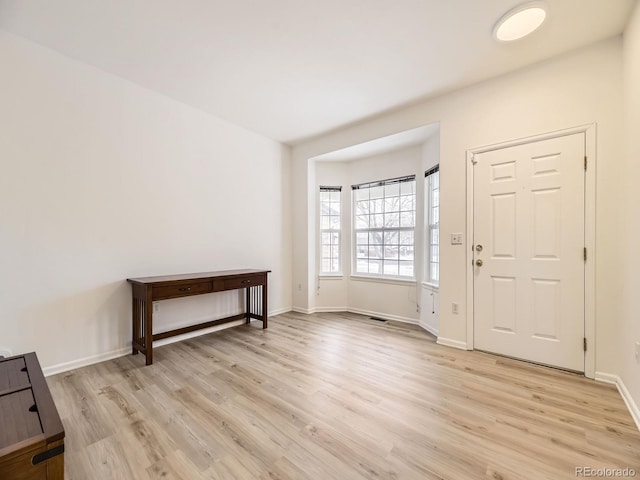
(589, 131)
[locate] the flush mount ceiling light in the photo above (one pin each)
(520, 22)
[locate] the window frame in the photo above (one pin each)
(385, 231)
(337, 231)
(432, 176)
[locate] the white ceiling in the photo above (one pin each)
(292, 69)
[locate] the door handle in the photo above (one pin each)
(479, 262)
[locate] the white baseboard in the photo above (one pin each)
(278, 311)
(83, 362)
(369, 313)
(309, 311)
(103, 357)
(197, 333)
(306, 311)
(632, 406)
(430, 329)
(330, 309)
(447, 342)
(205, 331)
(384, 316)
(607, 378)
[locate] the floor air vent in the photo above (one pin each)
(378, 319)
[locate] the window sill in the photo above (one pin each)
(329, 276)
(431, 286)
(392, 281)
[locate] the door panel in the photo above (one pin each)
(529, 220)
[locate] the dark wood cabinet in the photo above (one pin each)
(149, 289)
(31, 433)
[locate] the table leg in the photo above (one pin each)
(135, 326)
(148, 327)
(264, 303)
(248, 307)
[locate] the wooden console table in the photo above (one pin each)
(147, 290)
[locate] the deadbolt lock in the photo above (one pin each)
(479, 262)
(478, 248)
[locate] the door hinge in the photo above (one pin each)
(585, 163)
(584, 343)
(585, 253)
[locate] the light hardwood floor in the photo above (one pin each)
(335, 396)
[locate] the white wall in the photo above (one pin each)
(431, 151)
(102, 180)
(629, 216)
(575, 89)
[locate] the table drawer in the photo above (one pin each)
(13, 373)
(243, 282)
(182, 290)
(20, 418)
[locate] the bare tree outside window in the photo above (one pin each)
(384, 222)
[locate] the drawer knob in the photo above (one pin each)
(246, 281)
(185, 289)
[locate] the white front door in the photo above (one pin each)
(529, 251)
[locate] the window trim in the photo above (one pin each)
(360, 277)
(354, 231)
(429, 227)
(321, 230)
